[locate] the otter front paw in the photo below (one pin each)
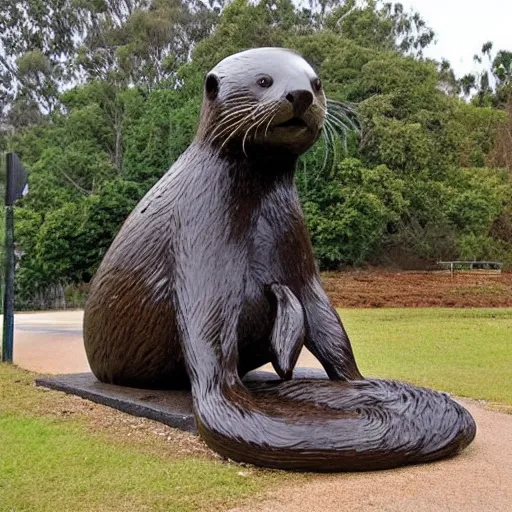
(288, 333)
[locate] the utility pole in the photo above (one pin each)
(15, 188)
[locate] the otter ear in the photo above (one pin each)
(211, 86)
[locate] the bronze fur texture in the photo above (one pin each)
(213, 275)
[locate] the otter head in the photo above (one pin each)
(262, 98)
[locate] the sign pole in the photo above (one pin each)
(8, 330)
(15, 188)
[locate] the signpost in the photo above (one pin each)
(15, 188)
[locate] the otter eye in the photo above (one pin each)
(317, 84)
(265, 81)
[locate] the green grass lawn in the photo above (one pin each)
(467, 352)
(62, 453)
(46, 466)
(55, 458)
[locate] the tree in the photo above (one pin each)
(36, 44)
(350, 210)
(421, 181)
(493, 84)
(142, 42)
(73, 238)
(381, 25)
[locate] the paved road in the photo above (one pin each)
(51, 342)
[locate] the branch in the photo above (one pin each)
(341, 18)
(81, 189)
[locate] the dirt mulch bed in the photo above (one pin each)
(379, 289)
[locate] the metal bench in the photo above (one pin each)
(485, 267)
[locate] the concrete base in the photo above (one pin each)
(173, 408)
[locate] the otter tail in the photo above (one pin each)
(319, 425)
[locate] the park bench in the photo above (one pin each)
(481, 267)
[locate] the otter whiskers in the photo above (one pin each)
(338, 124)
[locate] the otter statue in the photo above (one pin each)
(213, 275)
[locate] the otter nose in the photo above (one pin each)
(300, 100)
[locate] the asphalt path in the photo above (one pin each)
(50, 342)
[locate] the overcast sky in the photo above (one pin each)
(462, 26)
